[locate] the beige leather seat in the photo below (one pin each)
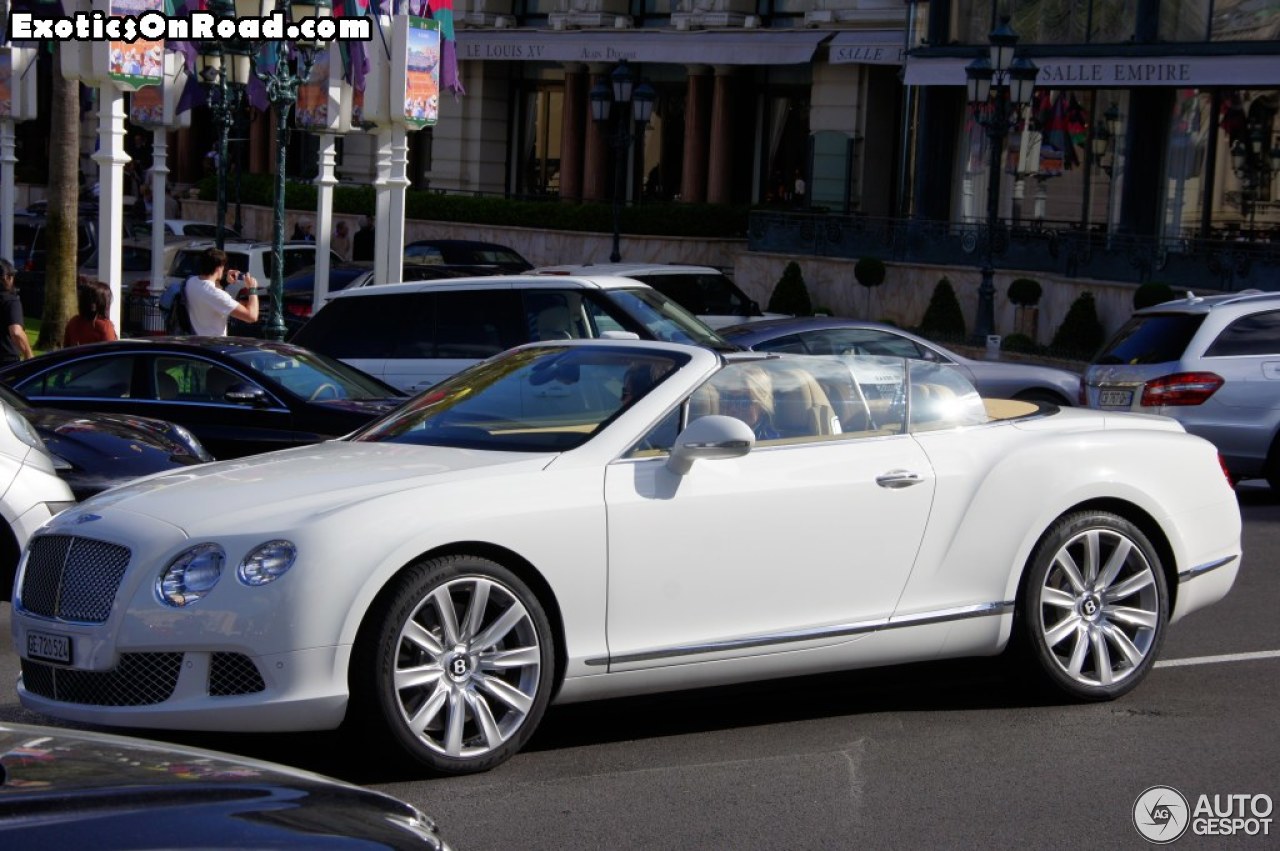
(166, 386)
(800, 406)
(554, 323)
(704, 402)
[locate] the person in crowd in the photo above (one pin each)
(208, 304)
(751, 401)
(341, 242)
(362, 242)
(304, 231)
(93, 323)
(14, 345)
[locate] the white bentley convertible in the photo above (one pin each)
(587, 519)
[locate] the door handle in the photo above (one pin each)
(898, 479)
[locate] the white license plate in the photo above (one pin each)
(1115, 398)
(49, 648)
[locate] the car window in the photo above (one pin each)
(701, 293)
(309, 375)
(663, 318)
(942, 399)
(1151, 338)
(190, 379)
(553, 315)
(295, 259)
(423, 254)
(546, 399)
(365, 328)
(792, 343)
(863, 341)
(476, 324)
(94, 378)
(1258, 334)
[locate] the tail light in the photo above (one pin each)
(1181, 388)
(299, 309)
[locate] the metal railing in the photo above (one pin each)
(1051, 248)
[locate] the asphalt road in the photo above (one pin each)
(927, 756)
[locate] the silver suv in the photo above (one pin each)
(1213, 364)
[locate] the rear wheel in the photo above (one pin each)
(457, 663)
(1094, 606)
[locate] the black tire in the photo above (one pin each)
(1090, 626)
(476, 695)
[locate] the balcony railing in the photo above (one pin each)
(1050, 248)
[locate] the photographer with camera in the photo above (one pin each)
(210, 299)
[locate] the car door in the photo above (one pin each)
(451, 331)
(105, 382)
(808, 537)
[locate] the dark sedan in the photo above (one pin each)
(238, 396)
(76, 789)
(825, 335)
(93, 451)
(497, 259)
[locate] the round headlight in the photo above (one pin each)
(267, 562)
(191, 575)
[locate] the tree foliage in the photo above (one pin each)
(943, 318)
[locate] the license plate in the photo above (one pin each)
(1115, 398)
(49, 648)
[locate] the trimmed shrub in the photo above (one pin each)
(1081, 333)
(1152, 293)
(791, 296)
(869, 271)
(1025, 292)
(943, 317)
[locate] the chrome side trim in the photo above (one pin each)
(818, 633)
(1200, 570)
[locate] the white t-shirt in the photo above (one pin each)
(208, 307)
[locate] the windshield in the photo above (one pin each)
(312, 376)
(542, 399)
(665, 319)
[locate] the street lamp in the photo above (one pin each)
(621, 91)
(224, 71)
(995, 84)
(1255, 163)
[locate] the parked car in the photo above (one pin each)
(30, 255)
(30, 490)
(94, 451)
(704, 291)
(416, 335)
(1212, 363)
(484, 257)
(237, 396)
(189, 228)
(821, 335)
(64, 788)
(584, 519)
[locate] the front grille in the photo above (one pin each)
(140, 679)
(72, 578)
(233, 673)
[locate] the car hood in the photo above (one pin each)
(79, 435)
(372, 407)
(292, 484)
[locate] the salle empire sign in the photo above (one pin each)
(1119, 73)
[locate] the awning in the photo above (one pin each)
(697, 47)
(868, 47)
(1188, 72)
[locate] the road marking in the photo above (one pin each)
(1213, 660)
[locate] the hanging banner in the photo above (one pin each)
(422, 73)
(146, 107)
(6, 84)
(134, 66)
(313, 97)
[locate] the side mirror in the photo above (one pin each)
(246, 394)
(710, 437)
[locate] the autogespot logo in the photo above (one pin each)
(1160, 814)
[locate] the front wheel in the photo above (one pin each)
(1094, 606)
(457, 663)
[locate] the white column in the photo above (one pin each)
(398, 185)
(8, 195)
(111, 158)
(324, 216)
(382, 209)
(159, 193)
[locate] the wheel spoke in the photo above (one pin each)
(1054, 636)
(417, 676)
(507, 693)
(505, 623)
(443, 602)
(1102, 657)
(1132, 654)
(1078, 653)
(1057, 598)
(1068, 566)
(484, 717)
(517, 657)
(475, 612)
(428, 711)
(1133, 617)
(416, 633)
(454, 724)
(1117, 561)
(1130, 586)
(1091, 557)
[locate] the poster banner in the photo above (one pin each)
(313, 98)
(146, 107)
(422, 77)
(6, 83)
(133, 66)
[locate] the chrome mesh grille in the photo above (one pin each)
(139, 679)
(72, 578)
(233, 673)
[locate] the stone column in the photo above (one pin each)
(693, 180)
(595, 159)
(573, 130)
(720, 164)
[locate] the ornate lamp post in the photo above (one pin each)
(224, 71)
(998, 87)
(1256, 163)
(621, 92)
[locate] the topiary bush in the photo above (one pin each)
(943, 317)
(1152, 293)
(870, 272)
(791, 296)
(1025, 292)
(1081, 333)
